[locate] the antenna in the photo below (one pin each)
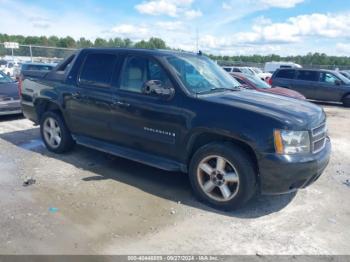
(197, 44)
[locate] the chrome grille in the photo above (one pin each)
(318, 138)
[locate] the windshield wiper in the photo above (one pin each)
(214, 89)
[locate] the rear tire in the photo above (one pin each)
(346, 101)
(223, 176)
(55, 133)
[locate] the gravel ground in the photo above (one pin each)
(87, 202)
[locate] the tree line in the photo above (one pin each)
(317, 59)
(69, 42)
(152, 43)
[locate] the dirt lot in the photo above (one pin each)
(87, 202)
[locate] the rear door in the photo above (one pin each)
(306, 82)
(90, 103)
(283, 78)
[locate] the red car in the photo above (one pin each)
(253, 82)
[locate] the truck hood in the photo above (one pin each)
(291, 112)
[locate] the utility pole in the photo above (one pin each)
(31, 53)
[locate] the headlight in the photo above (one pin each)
(292, 142)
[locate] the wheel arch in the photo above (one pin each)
(346, 95)
(346, 99)
(200, 139)
(43, 105)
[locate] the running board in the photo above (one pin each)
(131, 154)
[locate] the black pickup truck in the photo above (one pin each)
(180, 112)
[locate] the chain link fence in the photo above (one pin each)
(34, 53)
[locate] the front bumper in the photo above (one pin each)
(10, 107)
(287, 173)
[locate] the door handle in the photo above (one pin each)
(121, 103)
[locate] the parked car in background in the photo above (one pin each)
(324, 85)
(258, 72)
(37, 67)
(271, 67)
(9, 96)
(238, 69)
(8, 67)
(248, 71)
(34, 69)
(254, 82)
(345, 73)
(180, 112)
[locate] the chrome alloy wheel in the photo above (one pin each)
(52, 132)
(218, 178)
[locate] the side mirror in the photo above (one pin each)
(338, 82)
(157, 87)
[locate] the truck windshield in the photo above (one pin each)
(200, 75)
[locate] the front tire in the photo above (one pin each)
(55, 133)
(223, 176)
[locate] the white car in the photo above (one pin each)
(271, 67)
(253, 71)
(238, 69)
(8, 67)
(259, 73)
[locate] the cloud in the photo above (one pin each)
(235, 10)
(261, 4)
(227, 6)
(304, 31)
(40, 22)
(295, 29)
(191, 14)
(172, 8)
(170, 26)
(281, 3)
(343, 48)
(35, 20)
(132, 31)
(161, 7)
(229, 46)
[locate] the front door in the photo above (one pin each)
(329, 88)
(142, 121)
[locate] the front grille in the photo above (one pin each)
(318, 138)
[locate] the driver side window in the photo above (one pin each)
(329, 78)
(138, 70)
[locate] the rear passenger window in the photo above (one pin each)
(98, 70)
(287, 74)
(307, 75)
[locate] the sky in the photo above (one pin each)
(222, 27)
